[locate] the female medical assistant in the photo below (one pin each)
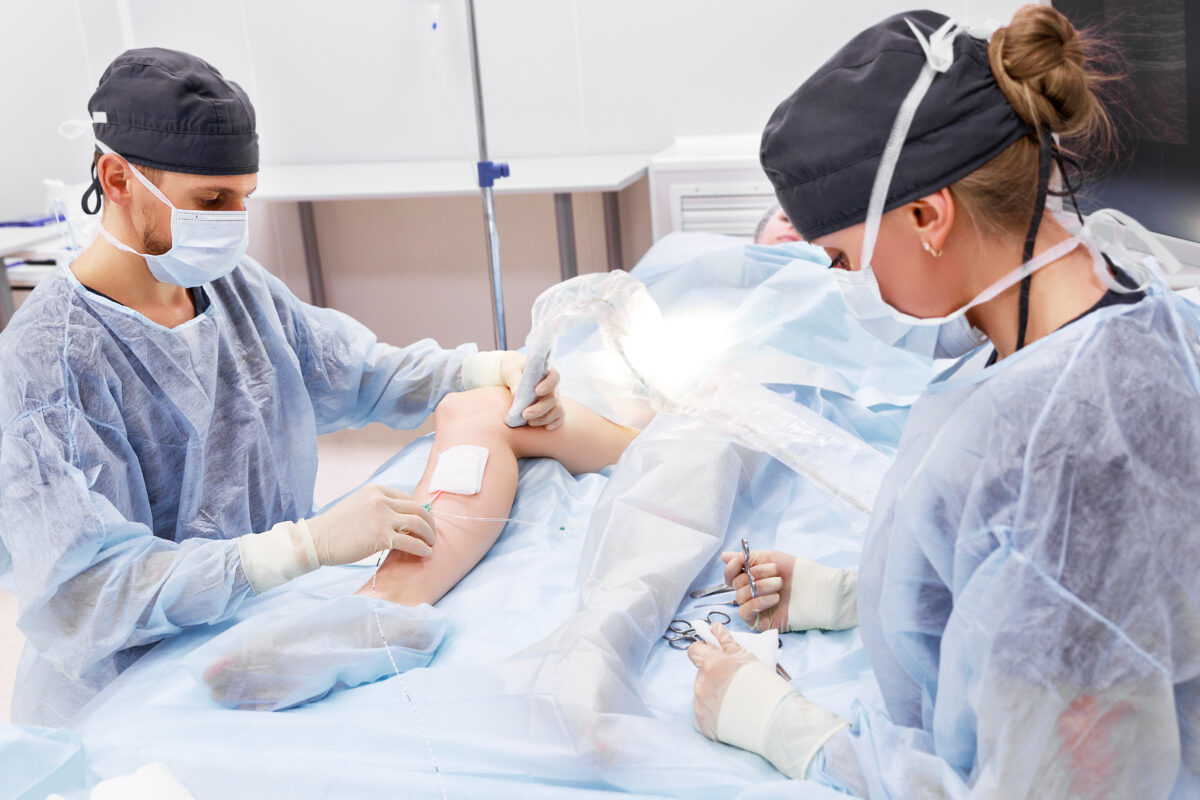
(1028, 592)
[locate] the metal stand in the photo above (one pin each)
(612, 231)
(488, 172)
(312, 253)
(564, 220)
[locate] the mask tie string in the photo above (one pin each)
(1039, 206)
(939, 55)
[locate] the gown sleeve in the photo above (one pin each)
(1070, 662)
(90, 579)
(1044, 730)
(354, 379)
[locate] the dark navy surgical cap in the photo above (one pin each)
(170, 110)
(822, 146)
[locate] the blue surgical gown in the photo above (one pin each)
(133, 455)
(1029, 591)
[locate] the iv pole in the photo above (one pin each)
(488, 173)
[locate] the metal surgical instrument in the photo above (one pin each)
(746, 567)
(711, 590)
(680, 633)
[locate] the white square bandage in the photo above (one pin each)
(459, 470)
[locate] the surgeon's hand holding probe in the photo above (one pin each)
(794, 594)
(372, 519)
(535, 395)
(741, 701)
(544, 410)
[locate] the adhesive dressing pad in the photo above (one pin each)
(459, 470)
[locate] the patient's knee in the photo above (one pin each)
(484, 407)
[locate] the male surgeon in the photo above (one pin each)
(160, 401)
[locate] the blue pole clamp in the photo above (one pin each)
(489, 171)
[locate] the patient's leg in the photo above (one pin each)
(282, 660)
(585, 442)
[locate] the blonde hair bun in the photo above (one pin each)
(1040, 61)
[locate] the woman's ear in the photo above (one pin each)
(933, 218)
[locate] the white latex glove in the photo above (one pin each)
(763, 646)
(794, 594)
(504, 368)
(372, 519)
(716, 667)
(742, 702)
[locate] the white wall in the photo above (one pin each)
(52, 55)
(369, 80)
(631, 75)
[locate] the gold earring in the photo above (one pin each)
(933, 251)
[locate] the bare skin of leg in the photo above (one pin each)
(585, 442)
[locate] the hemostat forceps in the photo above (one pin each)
(721, 588)
(746, 567)
(708, 591)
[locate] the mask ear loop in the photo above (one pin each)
(93, 189)
(73, 129)
(1104, 268)
(1043, 187)
(1070, 187)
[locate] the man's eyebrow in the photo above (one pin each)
(222, 190)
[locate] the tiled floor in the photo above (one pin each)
(347, 458)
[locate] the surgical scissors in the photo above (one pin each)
(680, 633)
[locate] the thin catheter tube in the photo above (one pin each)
(429, 508)
(498, 519)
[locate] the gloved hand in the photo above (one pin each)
(372, 519)
(504, 368)
(794, 594)
(742, 702)
(715, 670)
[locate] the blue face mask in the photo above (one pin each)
(205, 245)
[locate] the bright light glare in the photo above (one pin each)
(673, 354)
